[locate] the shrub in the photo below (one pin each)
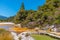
(5, 35)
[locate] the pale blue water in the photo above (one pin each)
(5, 27)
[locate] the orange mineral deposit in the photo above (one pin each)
(17, 29)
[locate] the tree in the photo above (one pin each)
(20, 16)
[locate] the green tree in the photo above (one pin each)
(21, 15)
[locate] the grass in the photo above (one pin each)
(42, 37)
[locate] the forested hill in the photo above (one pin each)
(2, 17)
(49, 13)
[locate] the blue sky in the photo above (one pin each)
(10, 7)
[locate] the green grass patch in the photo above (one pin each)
(42, 37)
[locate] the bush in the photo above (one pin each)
(5, 35)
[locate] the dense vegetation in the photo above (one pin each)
(49, 13)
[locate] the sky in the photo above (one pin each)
(10, 7)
